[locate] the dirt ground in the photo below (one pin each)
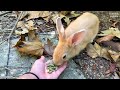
(90, 68)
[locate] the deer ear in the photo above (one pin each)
(60, 28)
(76, 38)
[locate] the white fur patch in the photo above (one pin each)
(81, 30)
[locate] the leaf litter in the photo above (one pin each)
(106, 47)
(35, 47)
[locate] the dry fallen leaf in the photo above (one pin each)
(105, 54)
(25, 26)
(49, 48)
(111, 31)
(30, 25)
(33, 14)
(95, 51)
(105, 38)
(115, 55)
(112, 45)
(62, 16)
(91, 51)
(64, 12)
(54, 17)
(24, 15)
(73, 14)
(32, 47)
(24, 31)
(32, 36)
(20, 24)
(65, 18)
(36, 14)
(46, 15)
(118, 63)
(65, 15)
(20, 43)
(97, 48)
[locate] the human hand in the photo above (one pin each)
(39, 68)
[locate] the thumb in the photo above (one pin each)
(42, 59)
(61, 68)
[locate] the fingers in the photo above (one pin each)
(39, 66)
(60, 69)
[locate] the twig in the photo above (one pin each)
(9, 39)
(15, 24)
(5, 13)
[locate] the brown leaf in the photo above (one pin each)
(23, 27)
(118, 63)
(114, 55)
(33, 14)
(73, 14)
(112, 45)
(105, 38)
(54, 17)
(32, 47)
(49, 48)
(105, 54)
(111, 31)
(24, 15)
(91, 51)
(65, 12)
(30, 25)
(65, 18)
(32, 36)
(46, 15)
(95, 51)
(20, 43)
(97, 48)
(20, 24)
(36, 14)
